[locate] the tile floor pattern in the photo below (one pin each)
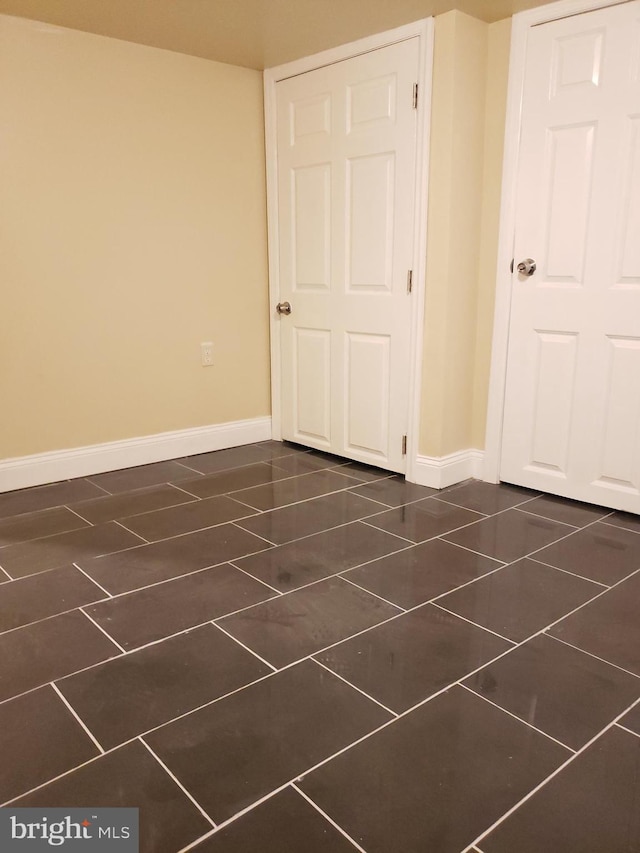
(269, 649)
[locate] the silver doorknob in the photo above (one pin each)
(283, 308)
(527, 267)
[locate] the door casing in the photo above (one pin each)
(423, 30)
(521, 26)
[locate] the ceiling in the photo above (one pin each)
(253, 33)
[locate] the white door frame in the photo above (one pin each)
(423, 30)
(522, 24)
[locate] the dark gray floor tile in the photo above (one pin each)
(233, 480)
(488, 498)
(628, 520)
(128, 777)
(142, 476)
(509, 535)
(591, 806)
(237, 750)
(304, 463)
(394, 491)
(165, 523)
(560, 509)
(409, 658)
(161, 561)
(166, 608)
(365, 473)
(40, 596)
(111, 507)
(285, 823)
(601, 552)
(561, 691)
(306, 560)
(424, 520)
(294, 522)
(39, 739)
(129, 695)
(29, 558)
(294, 489)
(434, 779)
(277, 449)
(302, 622)
(35, 525)
(609, 627)
(520, 599)
(47, 650)
(632, 720)
(43, 497)
(422, 572)
(232, 457)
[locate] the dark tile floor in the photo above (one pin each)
(267, 649)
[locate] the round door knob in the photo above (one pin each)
(527, 267)
(283, 308)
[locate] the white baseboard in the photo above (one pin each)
(438, 472)
(24, 471)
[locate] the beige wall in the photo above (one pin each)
(469, 91)
(132, 227)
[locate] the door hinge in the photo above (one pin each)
(409, 281)
(415, 96)
(511, 266)
(404, 445)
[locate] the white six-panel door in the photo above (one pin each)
(346, 140)
(572, 409)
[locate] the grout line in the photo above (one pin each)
(225, 823)
(629, 731)
(177, 781)
(4, 572)
(567, 572)
(461, 586)
(545, 781)
(503, 563)
(95, 582)
(246, 648)
(475, 624)
(481, 515)
(326, 817)
(519, 719)
(254, 578)
(257, 535)
(72, 710)
(55, 778)
(619, 526)
(347, 489)
(231, 496)
(100, 628)
(102, 488)
(81, 517)
(133, 533)
(394, 714)
(520, 508)
(199, 840)
(184, 492)
(368, 591)
(591, 655)
(382, 530)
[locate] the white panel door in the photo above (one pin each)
(572, 410)
(346, 195)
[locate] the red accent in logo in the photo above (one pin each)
(85, 822)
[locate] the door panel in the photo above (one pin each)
(312, 376)
(346, 200)
(572, 407)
